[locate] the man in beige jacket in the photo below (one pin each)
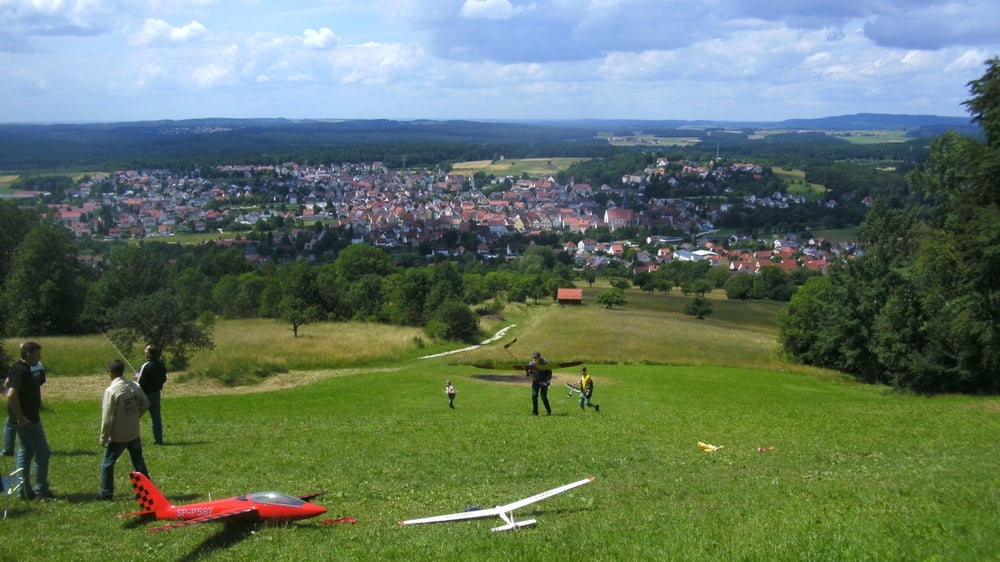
(123, 405)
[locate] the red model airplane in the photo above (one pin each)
(258, 506)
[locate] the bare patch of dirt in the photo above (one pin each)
(90, 388)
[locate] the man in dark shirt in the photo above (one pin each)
(151, 377)
(541, 377)
(24, 400)
(10, 426)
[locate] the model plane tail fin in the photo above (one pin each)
(148, 496)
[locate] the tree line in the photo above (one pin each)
(919, 309)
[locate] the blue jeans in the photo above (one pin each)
(34, 447)
(9, 434)
(154, 416)
(111, 454)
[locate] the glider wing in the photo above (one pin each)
(460, 516)
(525, 367)
(544, 495)
(502, 511)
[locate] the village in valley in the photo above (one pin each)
(415, 209)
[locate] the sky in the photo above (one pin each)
(76, 61)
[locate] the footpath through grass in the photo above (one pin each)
(855, 473)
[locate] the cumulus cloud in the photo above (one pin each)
(57, 17)
(489, 9)
(319, 39)
(209, 75)
(157, 31)
(936, 26)
(568, 30)
(608, 58)
(217, 71)
(376, 63)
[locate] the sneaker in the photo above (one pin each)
(597, 407)
(46, 496)
(27, 494)
(7, 453)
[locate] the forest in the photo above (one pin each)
(919, 308)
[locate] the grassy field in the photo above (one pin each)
(515, 166)
(6, 181)
(838, 235)
(875, 137)
(650, 140)
(796, 182)
(856, 472)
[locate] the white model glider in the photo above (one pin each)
(505, 512)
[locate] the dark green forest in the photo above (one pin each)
(919, 308)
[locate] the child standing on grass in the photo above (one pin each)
(450, 391)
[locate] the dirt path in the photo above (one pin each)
(92, 388)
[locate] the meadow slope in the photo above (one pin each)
(856, 472)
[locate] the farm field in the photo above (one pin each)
(6, 181)
(856, 472)
(515, 166)
(651, 140)
(874, 136)
(796, 182)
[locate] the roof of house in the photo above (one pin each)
(569, 295)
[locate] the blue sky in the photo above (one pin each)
(127, 60)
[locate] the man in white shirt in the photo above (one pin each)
(123, 405)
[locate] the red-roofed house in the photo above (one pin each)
(569, 296)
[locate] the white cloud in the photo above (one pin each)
(218, 71)
(496, 58)
(320, 39)
(376, 63)
(489, 9)
(209, 75)
(156, 30)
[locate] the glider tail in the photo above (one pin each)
(150, 499)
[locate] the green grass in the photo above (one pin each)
(650, 140)
(6, 180)
(515, 166)
(795, 180)
(875, 137)
(856, 473)
(838, 236)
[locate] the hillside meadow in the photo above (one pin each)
(515, 166)
(848, 471)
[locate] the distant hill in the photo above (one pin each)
(858, 121)
(152, 143)
(868, 121)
